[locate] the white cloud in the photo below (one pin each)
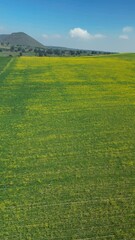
(80, 33)
(84, 34)
(126, 32)
(125, 37)
(127, 29)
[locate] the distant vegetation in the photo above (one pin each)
(18, 44)
(51, 51)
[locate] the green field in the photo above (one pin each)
(67, 141)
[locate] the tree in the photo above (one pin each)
(49, 51)
(40, 53)
(57, 52)
(12, 48)
(19, 49)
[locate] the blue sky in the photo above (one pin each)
(88, 24)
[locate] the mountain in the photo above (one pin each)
(21, 39)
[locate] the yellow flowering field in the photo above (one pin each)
(67, 148)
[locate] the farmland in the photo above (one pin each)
(67, 144)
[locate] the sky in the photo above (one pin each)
(107, 25)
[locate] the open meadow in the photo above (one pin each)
(67, 148)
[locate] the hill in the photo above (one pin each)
(20, 38)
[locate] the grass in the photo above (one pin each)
(3, 63)
(67, 148)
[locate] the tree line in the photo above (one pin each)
(48, 51)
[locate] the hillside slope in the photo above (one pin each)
(20, 38)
